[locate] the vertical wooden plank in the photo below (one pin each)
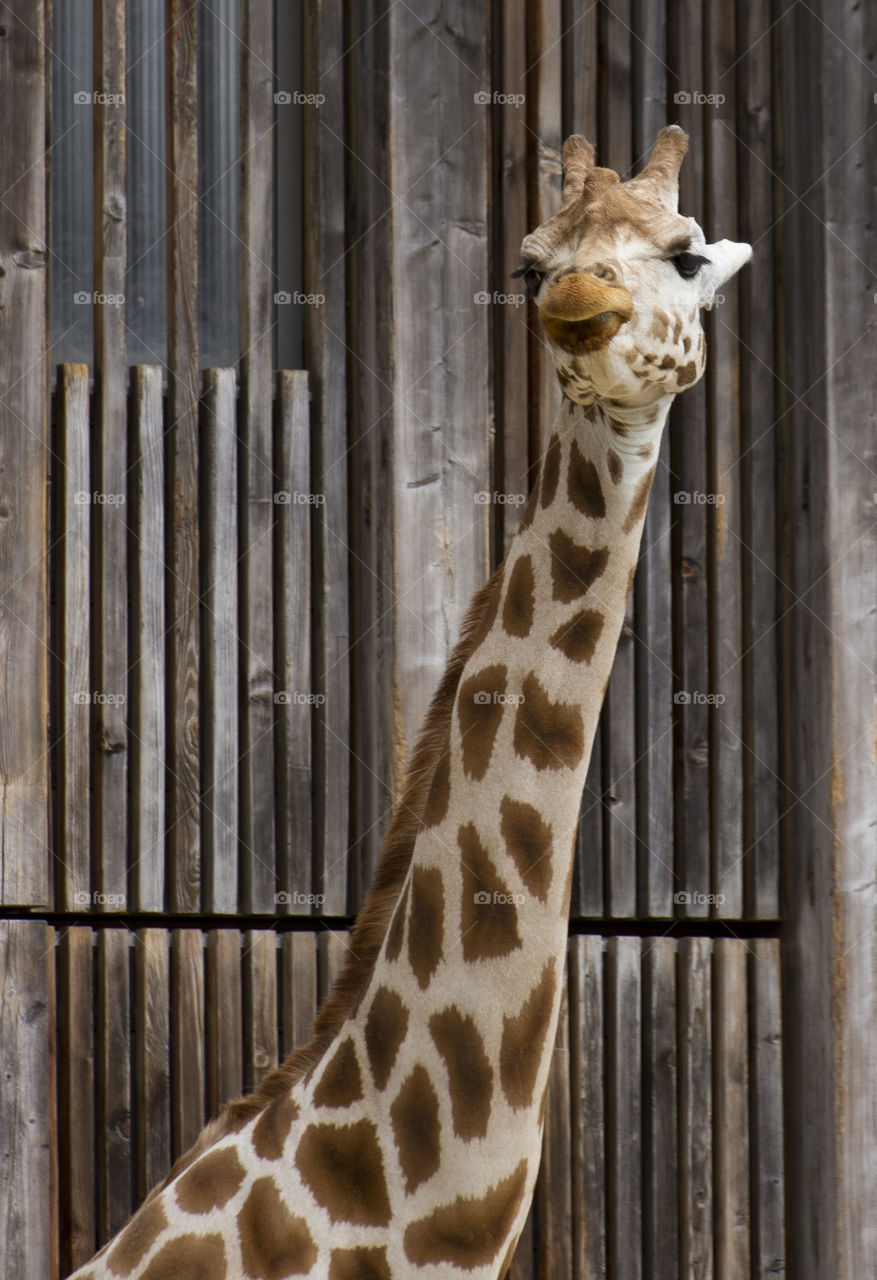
(293, 645)
(587, 1062)
(181, 60)
(23, 458)
(331, 954)
(623, 1110)
(688, 461)
(113, 1081)
(256, 475)
(766, 1126)
(298, 968)
(25, 1234)
(325, 357)
(731, 1137)
(695, 1109)
(71, 567)
(724, 512)
(259, 1005)
(148, 689)
(757, 165)
(110, 460)
(554, 1244)
(75, 1136)
(225, 1066)
(220, 642)
(188, 1045)
(660, 1124)
(152, 1102)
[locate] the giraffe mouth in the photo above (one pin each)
(581, 313)
(580, 337)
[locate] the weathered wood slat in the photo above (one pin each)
(660, 1127)
(325, 158)
(148, 712)
(152, 1081)
(110, 461)
(293, 646)
(298, 968)
(331, 954)
(688, 461)
(188, 1046)
(220, 644)
(75, 1136)
(72, 867)
(258, 490)
(767, 1190)
(225, 1064)
(587, 1067)
(261, 1050)
(623, 1028)
(731, 1137)
(113, 1082)
(24, 627)
(695, 1109)
(554, 1203)
(184, 380)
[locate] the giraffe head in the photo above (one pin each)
(620, 276)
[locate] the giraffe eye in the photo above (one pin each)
(688, 264)
(531, 275)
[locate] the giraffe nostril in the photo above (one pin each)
(602, 271)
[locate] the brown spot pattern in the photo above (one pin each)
(468, 1233)
(359, 1264)
(640, 501)
(523, 1040)
(396, 931)
(210, 1182)
(574, 568)
(550, 472)
(272, 1128)
(274, 1242)
(342, 1165)
(189, 1257)
(138, 1238)
(426, 923)
(577, 639)
(489, 919)
(417, 1128)
(385, 1028)
(470, 1075)
(583, 485)
(551, 734)
(686, 373)
(614, 465)
(439, 791)
(480, 711)
(340, 1085)
(517, 613)
(528, 842)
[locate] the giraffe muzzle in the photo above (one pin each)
(581, 313)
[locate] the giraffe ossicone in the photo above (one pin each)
(405, 1139)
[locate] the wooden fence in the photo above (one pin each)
(223, 617)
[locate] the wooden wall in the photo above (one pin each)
(213, 670)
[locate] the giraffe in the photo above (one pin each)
(405, 1139)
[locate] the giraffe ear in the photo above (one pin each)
(578, 161)
(726, 257)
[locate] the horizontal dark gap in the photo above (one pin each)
(620, 928)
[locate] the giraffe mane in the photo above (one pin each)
(377, 910)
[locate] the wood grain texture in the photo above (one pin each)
(661, 1187)
(184, 662)
(731, 1140)
(113, 1082)
(188, 1038)
(257, 486)
(224, 1023)
(695, 1108)
(24, 624)
(767, 1191)
(76, 1114)
(298, 973)
(587, 1087)
(148, 711)
(152, 1059)
(623, 1029)
(220, 718)
(261, 1049)
(72, 566)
